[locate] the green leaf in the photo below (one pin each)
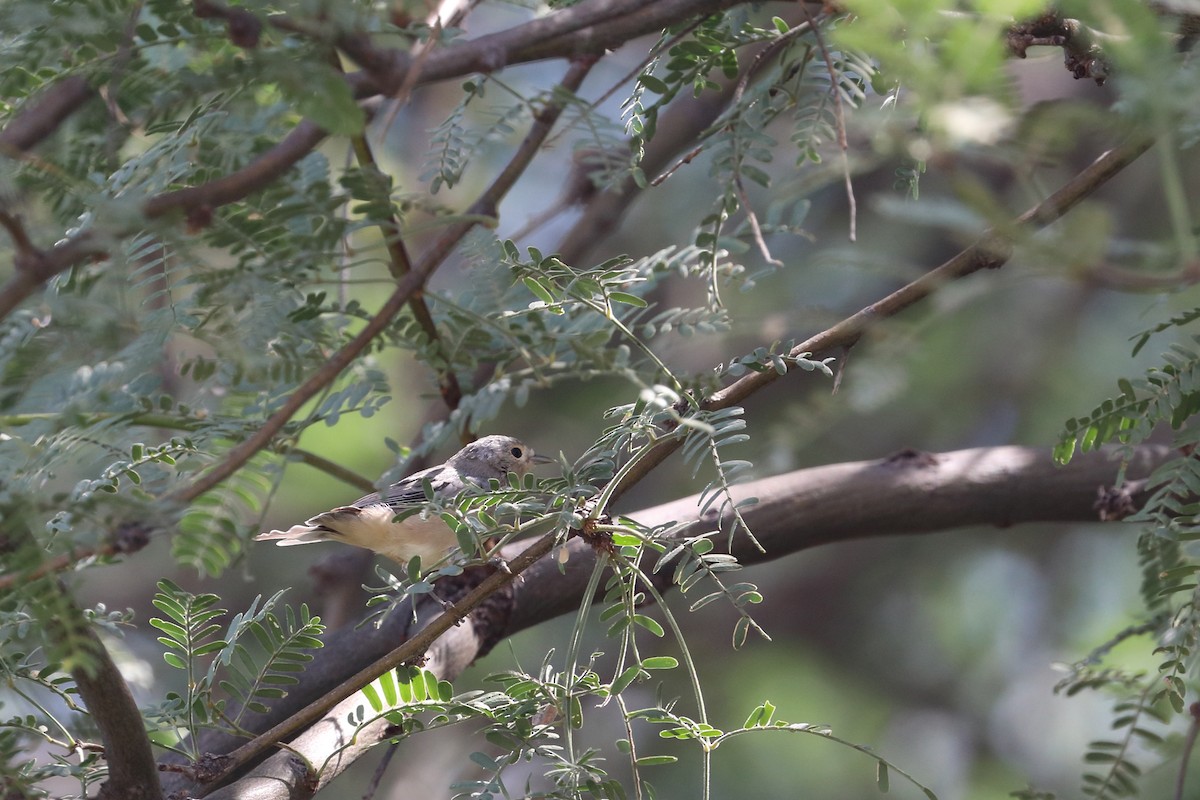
(660, 662)
(649, 624)
(654, 84)
(625, 678)
(538, 289)
(373, 697)
(627, 299)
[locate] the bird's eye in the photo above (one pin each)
(516, 451)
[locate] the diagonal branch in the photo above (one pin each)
(991, 251)
(406, 287)
(35, 267)
(590, 26)
(42, 115)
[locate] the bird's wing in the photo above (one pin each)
(410, 491)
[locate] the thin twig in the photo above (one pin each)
(755, 228)
(1189, 744)
(380, 769)
(1110, 276)
(331, 468)
(420, 52)
(743, 82)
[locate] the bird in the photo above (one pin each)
(370, 522)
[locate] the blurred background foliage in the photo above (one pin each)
(938, 651)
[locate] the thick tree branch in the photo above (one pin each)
(335, 743)
(590, 26)
(132, 771)
(907, 493)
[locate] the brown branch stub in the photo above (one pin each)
(1082, 57)
(1117, 502)
(910, 458)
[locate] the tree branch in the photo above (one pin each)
(132, 771)
(42, 115)
(590, 26)
(681, 125)
(907, 493)
(35, 267)
(400, 264)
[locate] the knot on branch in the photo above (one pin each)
(911, 457)
(130, 537)
(992, 252)
(1116, 503)
(1082, 57)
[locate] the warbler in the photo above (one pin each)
(370, 521)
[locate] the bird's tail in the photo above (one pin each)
(297, 534)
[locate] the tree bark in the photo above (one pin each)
(910, 492)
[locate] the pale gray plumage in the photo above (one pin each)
(370, 521)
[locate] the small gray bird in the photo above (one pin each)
(370, 521)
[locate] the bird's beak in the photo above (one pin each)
(542, 459)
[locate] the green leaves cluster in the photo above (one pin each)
(1167, 395)
(228, 670)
